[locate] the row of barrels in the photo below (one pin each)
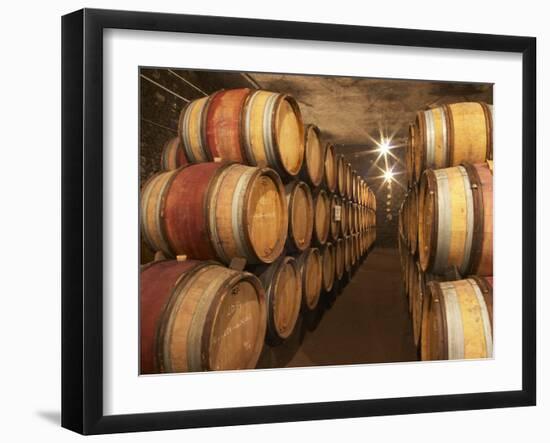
(449, 135)
(451, 319)
(445, 231)
(241, 211)
(203, 316)
(263, 129)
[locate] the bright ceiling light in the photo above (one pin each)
(388, 175)
(384, 147)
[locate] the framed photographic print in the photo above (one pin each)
(270, 221)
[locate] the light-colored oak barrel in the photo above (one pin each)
(400, 222)
(413, 220)
(172, 156)
(405, 270)
(215, 211)
(341, 175)
(329, 266)
(458, 320)
(348, 176)
(368, 204)
(407, 276)
(335, 216)
(273, 132)
(192, 130)
(412, 275)
(417, 297)
(356, 217)
(347, 252)
(311, 271)
(199, 316)
(331, 172)
(300, 216)
(344, 222)
(339, 258)
(356, 248)
(255, 127)
(455, 220)
(405, 219)
(453, 134)
(321, 226)
(355, 186)
(354, 252)
(283, 287)
(403, 256)
(410, 156)
(313, 167)
(351, 218)
(371, 200)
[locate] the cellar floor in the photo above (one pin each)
(366, 321)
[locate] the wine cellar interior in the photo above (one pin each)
(302, 220)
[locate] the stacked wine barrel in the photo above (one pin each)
(251, 218)
(445, 231)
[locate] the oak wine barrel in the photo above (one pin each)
(321, 226)
(355, 238)
(335, 216)
(282, 283)
(413, 220)
(328, 259)
(351, 218)
(353, 249)
(356, 217)
(348, 176)
(410, 156)
(255, 127)
(347, 253)
(310, 267)
(313, 167)
(339, 258)
(344, 222)
(453, 134)
(199, 316)
(300, 216)
(341, 175)
(455, 221)
(215, 211)
(330, 168)
(172, 156)
(418, 295)
(457, 320)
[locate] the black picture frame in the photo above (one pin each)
(82, 219)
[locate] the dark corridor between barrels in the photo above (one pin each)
(364, 320)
